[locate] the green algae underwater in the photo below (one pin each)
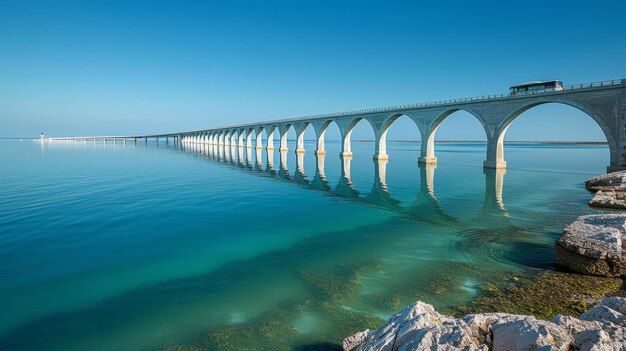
(160, 248)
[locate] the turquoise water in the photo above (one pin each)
(158, 247)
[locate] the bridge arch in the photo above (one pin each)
(320, 127)
(380, 151)
(496, 148)
(427, 153)
(346, 126)
(300, 128)
(283, 131)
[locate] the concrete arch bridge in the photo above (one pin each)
(604, 102)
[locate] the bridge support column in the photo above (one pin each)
(240, 139)
(258, 142)
(228, 140)
(427, 151)
(231, 140)
(346, 143)
(300, 139)
(270, 139)
(320, 131)
(320, 149)
(380, 149)
(495, 153)
(249, 139)
(283, 139)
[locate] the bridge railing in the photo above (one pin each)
(593, 85)
(468, 99)
(436, 103)
(605, 83)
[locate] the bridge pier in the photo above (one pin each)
(495, 152)
(270, 138)
(283, 138)
(427, 150)
(249, 138)
(319, 127)
(380, 145)
(300, 128)
(346, 144)
(258, 138)
(240, 142)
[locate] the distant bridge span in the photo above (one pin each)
(605, 102)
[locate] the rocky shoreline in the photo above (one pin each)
(609, 189)
(592, 245)
(420, 327)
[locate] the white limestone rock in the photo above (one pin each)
(575, 325)
(610, 190)
(400, 329)
(353, 341)
(594, 244)
(609, 199)
(615, 181)
(530, 335)
(615, 303)
(420, 327)
(593, 340)
(481, 324)
(449, 336)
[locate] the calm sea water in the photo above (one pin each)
(155, 247)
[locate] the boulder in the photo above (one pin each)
(575, 325)
(420, 327)
(530, 335)
(611, 181)
(594, 244)
(610, 190)
(609, 199)
(353, 341)
(480, 324)
(400, 329)
(594, 340)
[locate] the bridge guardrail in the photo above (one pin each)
(407, 106)
(468, 99)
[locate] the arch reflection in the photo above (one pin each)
(345, 188)
(426, 207)
(380, 195)
(319, 181)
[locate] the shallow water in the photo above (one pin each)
(144, 247)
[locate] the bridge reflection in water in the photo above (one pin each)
(425, 208)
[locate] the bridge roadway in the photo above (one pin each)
(604, 102)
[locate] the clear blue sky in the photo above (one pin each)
(116, 67)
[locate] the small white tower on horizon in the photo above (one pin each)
(42, 137)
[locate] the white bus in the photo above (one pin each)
(534, 87)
